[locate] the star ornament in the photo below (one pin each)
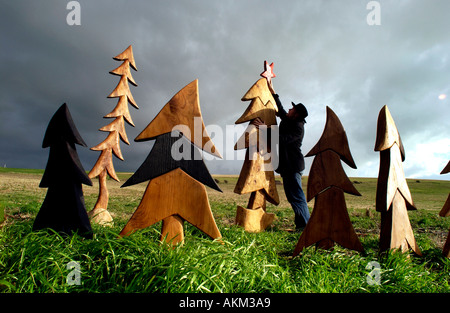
(268, 72)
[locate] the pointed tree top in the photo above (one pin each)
(62, 128)
(127, 54)
(387, 132)
(446, 169)
(182, 113)
(334, 138)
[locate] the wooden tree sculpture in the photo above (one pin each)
(175, 192)
(444, 213)
(393, 197)
(63, 208)
(111, 145)
(257, 176)
(327, 182)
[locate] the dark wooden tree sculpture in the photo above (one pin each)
(393, 197)
(257, 176)
(327, 182)
(111, 145)
(176, 191)
(444, 213)
(63, 208)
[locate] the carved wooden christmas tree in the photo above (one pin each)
(111, 145)
(177, 173)
(444, 213)
(393, 197)
(327, 182)
(63, 208)
(257, 176)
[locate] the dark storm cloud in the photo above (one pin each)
(324, 54)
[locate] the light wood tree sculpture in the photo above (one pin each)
(111, 145)
(257, 176)
(63, 208)
(329, 222)
(177, 173)
(393, 197)
(445, 212)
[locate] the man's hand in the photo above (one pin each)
(257, 122)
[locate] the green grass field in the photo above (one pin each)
(242, 263)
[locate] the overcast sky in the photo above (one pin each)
(324, 54)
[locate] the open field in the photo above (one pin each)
(244, 262)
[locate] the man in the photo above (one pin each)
(291, 162)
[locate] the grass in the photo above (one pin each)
(241, 263)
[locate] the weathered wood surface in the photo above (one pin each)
(266, 112)
(63, 209)
(396, 231)
(100, 213)
(326, 170)
(175, 193)
(393, 197)
(160, 161)
(182, 113)
(253, 177)
(172, 230)
(111, 145)
(329, 223)
(260, 89)
(391, 178)
(333, 138)
(257, 174)
(387, 132)
(253, 220)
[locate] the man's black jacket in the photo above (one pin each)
(291, 134)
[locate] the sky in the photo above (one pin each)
(346, 55)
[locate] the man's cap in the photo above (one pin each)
(300, 109)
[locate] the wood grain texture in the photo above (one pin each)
(111, 145)
(121, 109)
(174, 193)
(117, 125)
(160, 161)
(100, 214)
(329, 223)
(396, 232)
(182, 113)
(333, 138)
(127, 54)
(124, 70)
(260, 89)
(253, 177)
(387, 132)
(257, 200)
(258, 109)
(256, 220)
(104, 163)
(172, 230)
(122, 89)
(326, 170)
(390, 179)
